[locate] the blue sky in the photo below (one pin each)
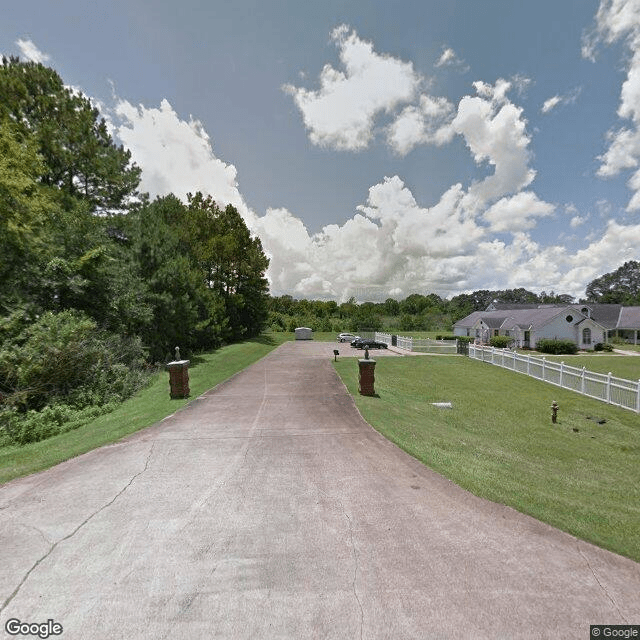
(377, 149)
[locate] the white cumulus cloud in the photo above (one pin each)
(494, 129)
(518, 212)
(176, 155)
(341, 114)
(551, 103)
(620, 20)
(392, 245)
(449, 58)
(29, 51)
(568, 98)
(427, 123)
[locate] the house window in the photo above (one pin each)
(586, 336)
(496, 332)
(569, 318)
(507, 332)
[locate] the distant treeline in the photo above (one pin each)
(415, 313)
(430, 312)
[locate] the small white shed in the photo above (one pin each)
(304, 333)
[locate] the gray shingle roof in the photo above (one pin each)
(604, 314)
(609, 316)
(629, 318)
(494, 322)
(470, 320)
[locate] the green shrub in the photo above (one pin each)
(500, 342)
(446, 337)
(601, 346)
(467, 339)
(32, 426)
(63, 359)
(556, 346)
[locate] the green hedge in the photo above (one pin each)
(556, 346)
(500, 342)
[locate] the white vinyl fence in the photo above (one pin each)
(617, 391)
(425, 345)
(383, 337)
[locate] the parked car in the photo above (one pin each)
(346, 337)
(368, 343)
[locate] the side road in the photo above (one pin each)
(268, 508)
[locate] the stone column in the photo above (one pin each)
(179, 377)
(367, 377)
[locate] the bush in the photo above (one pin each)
(447, 337)
(64, 358)
(467, 339)
(600, 346)
(33, 426)
(500, 342)
(556, 346)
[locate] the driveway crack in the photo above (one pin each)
(15, 592)
(595, 575)
(355, 558)
(355, 569)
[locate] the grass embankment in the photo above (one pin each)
(498, 442)
(147, 407)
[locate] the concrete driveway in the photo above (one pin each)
(269, 509)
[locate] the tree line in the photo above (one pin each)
(97, 281)
(430, 312)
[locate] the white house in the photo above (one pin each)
(528, 325)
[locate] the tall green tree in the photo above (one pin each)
(186, 312)
(26, 209)
(232, 262)
(79, 156)
(621, 286)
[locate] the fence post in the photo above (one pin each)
(609, 387)
(638, 399)
(561, 371)
(582, 386)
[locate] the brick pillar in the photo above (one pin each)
(179, 378)
(367, 377)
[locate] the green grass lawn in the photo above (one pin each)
(624, 346)
(422, 334)
(620, 366)
(147, 407)
(498, 442)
